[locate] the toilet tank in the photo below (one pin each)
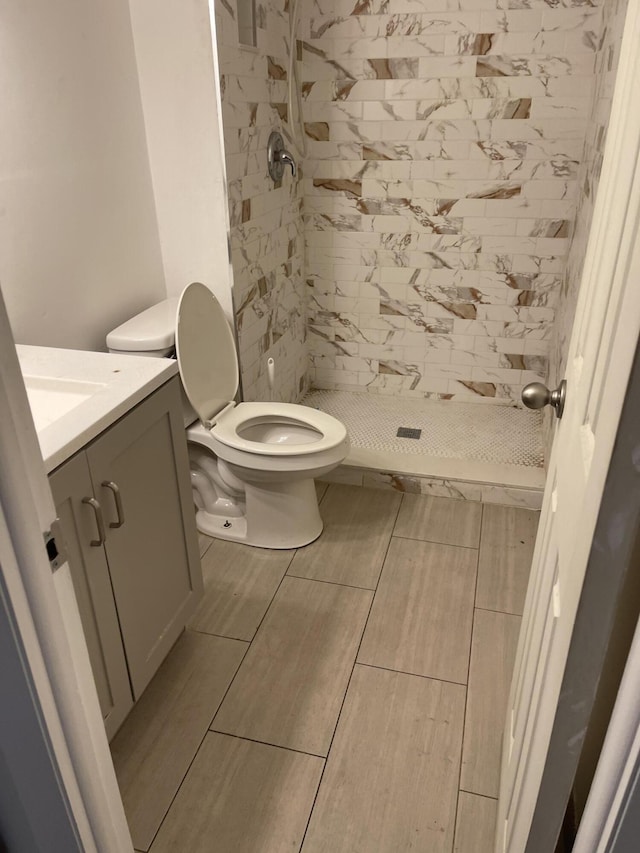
(152, 332)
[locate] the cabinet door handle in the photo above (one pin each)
(97, 509)
(109, 484)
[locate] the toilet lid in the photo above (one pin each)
(206, 352)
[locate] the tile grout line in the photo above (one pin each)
(208, 729)
(210, 538)
(208, 546)
(476, 794)
(220, 636)
(466, 692)
(334, 583)
(324, 494)
(268, 743)
(434, 542)
(155, 835)
(355, 661)
(502, 612)
(412, 674)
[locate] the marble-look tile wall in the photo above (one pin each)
(445, 139)
(267, 243)
(488, 493)
(614, 12)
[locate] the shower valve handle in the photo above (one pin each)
(278, 157)
(287, 160)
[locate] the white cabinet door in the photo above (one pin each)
(602, 349)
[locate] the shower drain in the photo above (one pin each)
(408, 432)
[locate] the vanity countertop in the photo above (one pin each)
(75, 395)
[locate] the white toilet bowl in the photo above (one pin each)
(267, 457)
(252, 464)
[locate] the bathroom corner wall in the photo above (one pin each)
(79, 245)
(178, 86)
(267, 244)
(445, 145)
(606, 67)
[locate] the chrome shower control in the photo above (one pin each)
(535, 395)
(278, 157)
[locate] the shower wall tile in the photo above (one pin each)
(458, 489)
(445, 145)
(588, 179)
(267, 241)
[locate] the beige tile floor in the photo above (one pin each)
(346, 697)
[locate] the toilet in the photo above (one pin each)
(252, 464)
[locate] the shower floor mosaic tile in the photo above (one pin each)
(450, 430)
(346, 696)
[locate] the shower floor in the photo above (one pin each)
(489, 444)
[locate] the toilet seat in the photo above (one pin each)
(231, 423)
(209, 370)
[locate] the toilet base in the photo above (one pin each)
(233, 529)
(278, 515)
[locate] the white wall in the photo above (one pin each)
(180, 99)
(79, 244)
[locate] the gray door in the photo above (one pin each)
(140, 474)
(92, 584)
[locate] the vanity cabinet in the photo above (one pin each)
(126, 510)
(70, 484)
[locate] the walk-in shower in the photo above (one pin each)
(423, 266)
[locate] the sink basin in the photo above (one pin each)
(52, 398)
(75, 395)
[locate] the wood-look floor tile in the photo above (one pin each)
(423, 611)
(495, 639)
(357, 527)
(506, 549)
(241, 797)
(155, 746)
(391, 779)
(475, 824)
(291, 684)
(444, 520)
(239, 584)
